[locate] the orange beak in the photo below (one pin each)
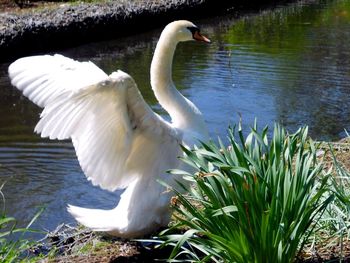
(197, 36)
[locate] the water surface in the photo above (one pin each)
(290, 65)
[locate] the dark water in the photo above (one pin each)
(290, 65)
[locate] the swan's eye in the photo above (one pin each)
(196, 35)
(193, 29)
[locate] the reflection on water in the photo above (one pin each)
(290, 65)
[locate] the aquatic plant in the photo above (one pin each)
(256, 201)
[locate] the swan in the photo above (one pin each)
(119, 141)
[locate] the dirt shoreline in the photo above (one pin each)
(60, 25)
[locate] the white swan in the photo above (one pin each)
(119, 141)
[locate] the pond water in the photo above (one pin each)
(289, 65)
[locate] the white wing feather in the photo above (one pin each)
(42, 78)
(116, 135)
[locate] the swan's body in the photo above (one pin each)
(119, 141)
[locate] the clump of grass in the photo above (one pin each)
(254, 202)
(14, 247)
(332, 232)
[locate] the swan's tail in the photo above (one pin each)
(115, 222)
(110, 221)
(134, 216)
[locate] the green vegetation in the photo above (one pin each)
(258, 201)
(14, 247)
(332, 231)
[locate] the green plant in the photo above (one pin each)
(13, 245)
(332, 231)
(253, 202)
(15, 250)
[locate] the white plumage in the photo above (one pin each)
(119, 141)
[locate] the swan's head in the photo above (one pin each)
(183, 30)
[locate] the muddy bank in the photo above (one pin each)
(63, 25)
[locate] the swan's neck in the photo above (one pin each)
(182, 112)
(161, 67)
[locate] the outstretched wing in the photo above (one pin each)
(42, 78)
(116, 135)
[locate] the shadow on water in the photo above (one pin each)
(289, 65)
